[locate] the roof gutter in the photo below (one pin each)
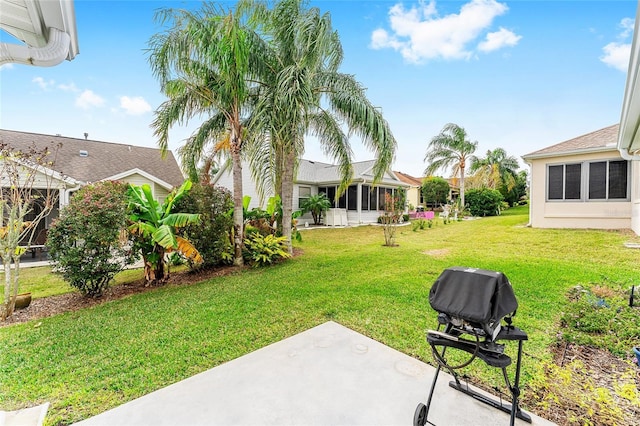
(52, 54)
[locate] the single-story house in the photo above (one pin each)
(77, 162)
(414, 190)
(361, 203)
(583, 182)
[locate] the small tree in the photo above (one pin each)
(211, 236)
(25, 189)
(317, 205)
(87, 243)
(155, 230)
(435, 190)
(393, 208)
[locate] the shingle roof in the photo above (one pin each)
(413, 181)
(599, 140)
(323, 173)
(104, 159)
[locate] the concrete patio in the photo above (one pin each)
(328, 375)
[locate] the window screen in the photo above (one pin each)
(618, 180)
(598, 180)
(352, 197)
(572, 181)
(365, 197)
(556, 183)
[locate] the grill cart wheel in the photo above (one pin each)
(420, 417)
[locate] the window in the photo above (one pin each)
(597, 180)
(617, 179)
(330, 192)
(352, 197)
(304, 192)
(342, 201)
(366, 189)
(373, 199)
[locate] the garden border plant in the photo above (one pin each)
(88, 243)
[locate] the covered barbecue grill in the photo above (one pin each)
(475, 310)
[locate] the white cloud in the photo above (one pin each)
(617, 54)
(498, 40)
(44, 85)
(627, 25)
(88, 99)
(6, 67)
(134, 106)
(71, 87)
(420, 34)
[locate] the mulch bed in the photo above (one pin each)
(53, 305)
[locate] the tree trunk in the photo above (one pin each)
(462, 188)
(278, 177)
(287, 196)
(6, 311)
(238, 219)
(156, 273)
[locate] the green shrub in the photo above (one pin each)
(483, 201)
(261, 250)
(435, 190)
(87, 243)
(211, 235)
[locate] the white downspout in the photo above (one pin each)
(52, 54)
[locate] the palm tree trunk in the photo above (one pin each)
(280, 166)
(462, 188)
(287, 195)
(238, 219)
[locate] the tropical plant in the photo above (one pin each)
(86, 243)
(484, 201)
(317, 205)
(203, 65)
(26, 198)
(302, 93)
(450, 148)
(263, 250)
(155, 230)
(211, 235)
(496, 171)
(435, 190)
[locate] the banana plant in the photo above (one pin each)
(155, 228)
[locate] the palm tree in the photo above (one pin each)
(450, 148)
(304, 93)
(203, 64)
(317, 205)
(497, 170)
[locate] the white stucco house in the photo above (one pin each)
(361, 203)
(583, 182)
(593, 180)
(628, 142)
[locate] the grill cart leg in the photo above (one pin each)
(422, 411)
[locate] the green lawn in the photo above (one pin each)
(88, 361)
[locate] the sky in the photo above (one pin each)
(517, 75)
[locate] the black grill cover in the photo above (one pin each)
(474, 295)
